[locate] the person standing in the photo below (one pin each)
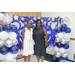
(27, 41)
(39, 35)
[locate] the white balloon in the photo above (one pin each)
(56, 49)
(47, 49)
(66, 50)
(64, 55)
(62, 50)
(67, 36)
(14, 60)
(20, 52)
(9, 57)
(60, 35)
(15, 55)
(63, 41)
(12, 35)
(1, 43)
(2, 57)
(51, 48)
(3, 35)
(58, 54)
(1, 16)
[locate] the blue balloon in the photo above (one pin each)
(68, 30)
(58, 30)
(66, 58)
(59, 59)
(4, 50)
(1, 27)
(14, 50)
(14, 28)
(66, 46)
(8, 28)
(59, 45)
(63, 27)
(0, 49)
(54, 58)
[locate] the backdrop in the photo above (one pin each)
(50, 23)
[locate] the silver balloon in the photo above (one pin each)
(57, 40)
(15, 41)
(66, 20)
(63, 41)
(7, 18)
(1, 43)
(68, 40)
(64, 55)
(58, 54)
(8, 43)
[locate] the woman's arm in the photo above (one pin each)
(23, 31)
(33, 34)
(45, 32)
(33, 37)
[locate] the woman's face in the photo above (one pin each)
(38, 24)
(29, 23)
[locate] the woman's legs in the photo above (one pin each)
(25, 58)
(42, 58)
(29, 56)
(38, 58)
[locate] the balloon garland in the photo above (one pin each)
(8, 41)
(61, 42)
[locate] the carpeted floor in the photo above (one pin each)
(48, 57)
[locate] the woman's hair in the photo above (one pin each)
(37, 21)
(28, 21)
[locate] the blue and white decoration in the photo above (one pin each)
(61, 42)
(11, 35)
(50, 23)
(8, 39)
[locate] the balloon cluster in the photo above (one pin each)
(8, 41)
(61, 42)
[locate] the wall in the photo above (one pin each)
(38, 14)
(70, 15)
(71, 24)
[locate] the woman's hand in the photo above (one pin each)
(46, 44)
(45, 32)
(33, 42)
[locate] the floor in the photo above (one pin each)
(33, 59)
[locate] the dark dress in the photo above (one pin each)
(39, 47)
